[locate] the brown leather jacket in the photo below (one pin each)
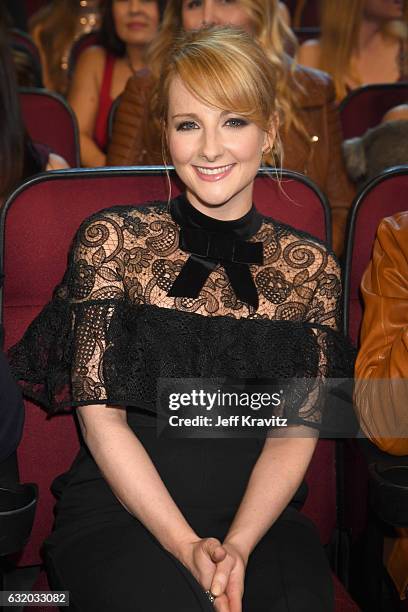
(319, 157)
(381, 393)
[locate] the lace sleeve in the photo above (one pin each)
(59, 362)
(323, 401)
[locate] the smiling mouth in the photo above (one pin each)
(213, 173)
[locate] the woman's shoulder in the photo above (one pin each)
(291, 237)
(92, 58)
(147, 211)
(316, 86)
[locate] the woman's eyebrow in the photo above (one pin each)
(191, 115)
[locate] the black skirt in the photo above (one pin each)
(110, 562)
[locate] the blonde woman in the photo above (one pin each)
(54, 29)
(202, 287)
(362, 42)
(310, 129)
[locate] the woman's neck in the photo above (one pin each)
(370, 30)
(135, 57)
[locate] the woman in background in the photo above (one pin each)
(362, 42)
(102, 72)
(54, 29)
(19, 157)
(310, 127)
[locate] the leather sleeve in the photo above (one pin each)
(130, 144)
(339, 188)
(381, 394)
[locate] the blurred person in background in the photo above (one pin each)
(19, 157)
(310, 127)
(102, 72)
(54, 29)
(381, 147)
(362, 42)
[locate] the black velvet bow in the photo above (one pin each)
(207, 251)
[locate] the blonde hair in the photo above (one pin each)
(56, 25)
(340, 27)
(270, 31)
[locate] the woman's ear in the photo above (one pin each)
(270, 135)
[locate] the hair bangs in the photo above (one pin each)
(222, 82)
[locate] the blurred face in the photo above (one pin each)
(197, 13)
(216, 153)
(383, 9)
(136, 21)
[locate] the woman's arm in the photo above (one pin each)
(56, 162)
(132, 475)
(84, 96)
(381, 387)
(276, 476)
(135, 482)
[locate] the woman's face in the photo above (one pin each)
(383, 9)
(215, 153)
(197, 13)
(136, 21)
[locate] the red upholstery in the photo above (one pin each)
(40, 222)
(384, 196)
(50, 121)
(364, 107)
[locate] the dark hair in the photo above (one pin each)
(12, 131)
(108, 37)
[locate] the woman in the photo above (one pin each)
(102, 72)
(362, 42)
(310, 132)
(152, 523)
(54, 29)
(19, 157)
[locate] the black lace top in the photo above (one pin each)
(119, 320)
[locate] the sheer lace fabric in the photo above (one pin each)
(111, 330)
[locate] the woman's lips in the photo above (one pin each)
(213, 174)
(136, 25)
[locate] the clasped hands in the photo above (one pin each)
(219, 568)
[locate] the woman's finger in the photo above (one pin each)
(222, 575)
(221, 604)
(235, 591)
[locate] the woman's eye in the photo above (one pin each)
(186, 125)
(236, 122)
(192, 4)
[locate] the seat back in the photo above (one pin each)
(383, 196)
(365, 106)
(24, 40)
(37, 225)
(111, 118)
(50, 120)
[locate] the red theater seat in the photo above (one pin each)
(38, 223)
(364, 107)
(49, 120)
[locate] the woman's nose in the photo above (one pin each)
(211, 146)
(208, 15)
